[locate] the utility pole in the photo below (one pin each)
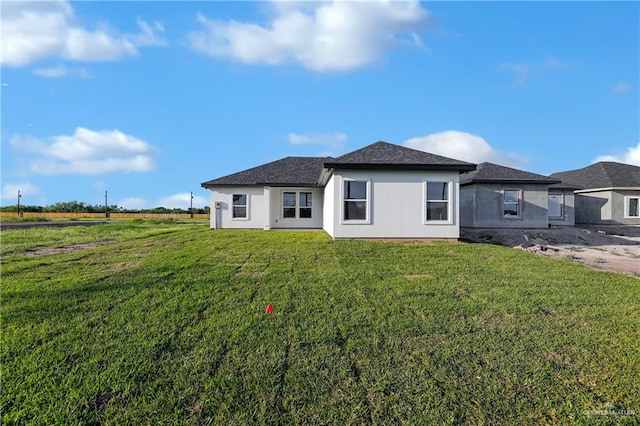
(106, 208)
(19, 195)
(191, 207)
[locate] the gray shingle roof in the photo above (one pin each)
(494, 173)
(605, 174)
(289, 171)
(384, 155)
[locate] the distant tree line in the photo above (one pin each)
(81, 207)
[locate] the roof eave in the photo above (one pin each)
(255, 184)
(387, 166)
(611, 188)
(513, 181)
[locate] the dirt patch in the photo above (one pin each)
(4, 225)
(612, 247)
(44, 251)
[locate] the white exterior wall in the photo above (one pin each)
(329, 207)
(397, 205)
(276, 219)
(257, 209)
(264, 208)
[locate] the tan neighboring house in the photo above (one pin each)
(607, 193)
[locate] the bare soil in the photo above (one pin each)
(4, 225)
(43, 251)
(611, 247)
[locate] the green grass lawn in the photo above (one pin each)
(162, 323)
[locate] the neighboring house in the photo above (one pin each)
(494, 196)
(379, 191)
(607, 193)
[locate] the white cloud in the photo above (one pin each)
(182, 201)
(621, 88)
(324, 36)
(631, 156)
(87, 152)
(175, 201)
(149, 34)
(333, 141)
(134, 203)
(60, 71)
(523, 71)
(32, 31)
(464, 146)
(10, 190)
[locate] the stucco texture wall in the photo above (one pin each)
(486, 206)
(568, 209)
(606, 207)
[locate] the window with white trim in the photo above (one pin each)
(355, 200)
(306, 205)
(239, 208)
(631, 207)
(511, 203)
(297, 205)
(437, 202)
(288, 205)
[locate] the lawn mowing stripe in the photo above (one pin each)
(432, 333)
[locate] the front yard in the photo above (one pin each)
(147, 322)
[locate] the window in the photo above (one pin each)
(631, 207)
(239, 208)
(555, 204)
(511, 204)
(289, 205)
(305, 205)
(297, 205)
(355, 200)
(437, 201)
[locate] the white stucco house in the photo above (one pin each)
(379, 191)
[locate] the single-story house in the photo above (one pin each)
(607, 193)
(379, 191)
(494, 196)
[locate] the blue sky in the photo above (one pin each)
(148, 99)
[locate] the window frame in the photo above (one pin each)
(246, 206)
(449, 192)
(344, 200)
(518, 203)
(298, 205)
(627, 202)
(306, 207)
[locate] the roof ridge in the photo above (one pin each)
(605, 171)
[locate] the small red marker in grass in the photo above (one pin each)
(269, 309)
